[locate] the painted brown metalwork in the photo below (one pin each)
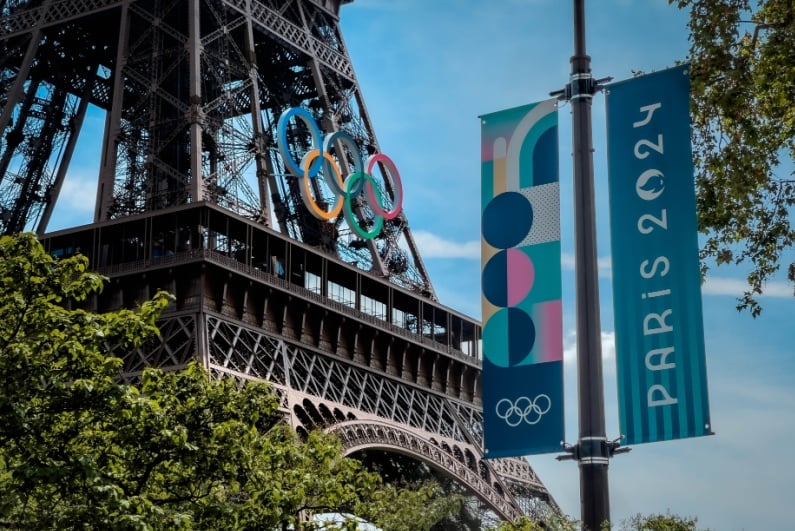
(194, 198)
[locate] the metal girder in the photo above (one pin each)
(376, 411)
(380, 383)
(25, 20)
(360, 435)
(192, 113)
(294, 36)
(175, 347)
(330, 379)
(193, 90)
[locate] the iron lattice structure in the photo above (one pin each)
(193, 196)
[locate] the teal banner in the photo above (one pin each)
(521, 282)
(662, 379)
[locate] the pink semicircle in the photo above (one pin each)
(520, 277)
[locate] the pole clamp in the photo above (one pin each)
(581, 85)
(592, 450)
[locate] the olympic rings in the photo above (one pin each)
(523, 410)
(359, 181)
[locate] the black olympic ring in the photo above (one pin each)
(523, 410)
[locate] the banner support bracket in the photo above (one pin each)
(593, 449)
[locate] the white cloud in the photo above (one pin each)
(78, 195)
(383, 5)
(735, 287)
(75, 205)
(570, 347)
(433, 246)
(603, 264)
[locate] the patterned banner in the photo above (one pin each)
(521, 282)
(662, 380)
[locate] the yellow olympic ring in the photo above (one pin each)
(306, 192)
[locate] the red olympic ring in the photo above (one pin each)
(375, 200)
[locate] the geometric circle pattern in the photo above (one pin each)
(507, 278)
(513, 332)
(507, 219)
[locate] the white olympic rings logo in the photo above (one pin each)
(523, 410)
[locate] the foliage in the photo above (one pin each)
(743, 108)
(659, 522)
(396, 509)
(552, 522)
(522, 524)
(638, 522)
(177, 450)
(398, 469)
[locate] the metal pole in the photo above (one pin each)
(592, 448)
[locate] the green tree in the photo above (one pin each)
(638, 522)
(743, 108)
(552, 522)
(659, 522)
(177, 450)
(392, 510)
(399, 469)
(56, 380)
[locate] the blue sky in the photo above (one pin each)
(427, 70)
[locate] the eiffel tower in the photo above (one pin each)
(194, 196)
